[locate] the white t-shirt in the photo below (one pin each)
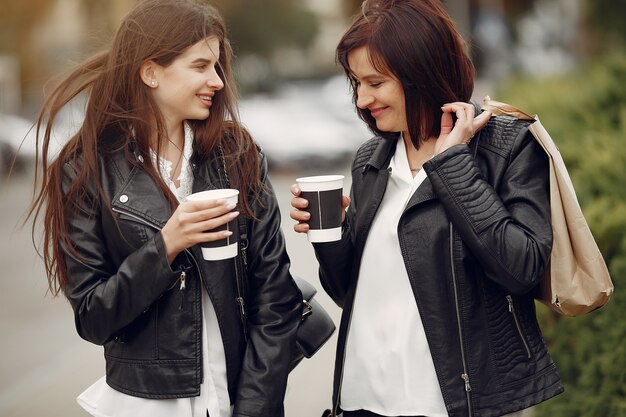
(101, 400)
(388, 367)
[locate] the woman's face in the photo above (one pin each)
(185, 88)
(380, 94)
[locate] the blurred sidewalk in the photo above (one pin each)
(44, 364)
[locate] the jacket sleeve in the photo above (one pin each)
(106, 299)
(507, 229)
(274, 310)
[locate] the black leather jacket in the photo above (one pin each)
(147, 313)
(475, 238)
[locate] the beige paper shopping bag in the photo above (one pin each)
(577, 280)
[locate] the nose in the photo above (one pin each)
(363, 98)
(215, 81)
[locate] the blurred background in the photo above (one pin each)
(562, 59)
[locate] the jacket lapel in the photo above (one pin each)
(423, 193)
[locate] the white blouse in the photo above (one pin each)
(101, 400)
(388, 367)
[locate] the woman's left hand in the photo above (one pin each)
(463, 130)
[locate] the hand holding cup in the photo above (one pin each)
(319, 207)
(203, 218)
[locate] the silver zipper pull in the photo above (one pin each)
(183, 276)
(510, 300)
(242, 316)
(183, 284)
(465, 378)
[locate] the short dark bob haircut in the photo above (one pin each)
(416, 42)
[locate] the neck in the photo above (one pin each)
(417, 157)
(176, 136)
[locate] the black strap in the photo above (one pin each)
(241, 272)
(241, 260)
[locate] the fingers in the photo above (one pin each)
(481, 120)
(193, 219)
(198, 211)
(205, 226)
(295, 190)
(302, 217)
(190, 222)
(466, 124)
(345, 202)
(298, 212)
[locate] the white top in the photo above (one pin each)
(388, 367)
(101, 400)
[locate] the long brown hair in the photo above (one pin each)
(120, 111)
(415, 41)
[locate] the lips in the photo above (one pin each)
(206, 99)
(377, 112)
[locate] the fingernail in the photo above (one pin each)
(233, 214)
(231, 206)
(228, 233)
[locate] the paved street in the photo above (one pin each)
(44, 364)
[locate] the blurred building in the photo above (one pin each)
(530, 36)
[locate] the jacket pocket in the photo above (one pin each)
(510, 350)
(518, 326)
(132, 232)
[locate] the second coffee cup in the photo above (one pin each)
(324, 194)
(223, 248)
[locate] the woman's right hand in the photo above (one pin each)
(190, 221)
(299, 213)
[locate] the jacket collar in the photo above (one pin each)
(382, 155)
(380, 159)
(138, 195)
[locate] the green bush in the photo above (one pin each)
(585, 114)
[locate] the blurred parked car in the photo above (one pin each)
(14, 131)
(307, 125)
(17, 136)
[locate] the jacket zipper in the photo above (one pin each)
(343, 363)
(518, 326)
(465, 375)
(183, 274)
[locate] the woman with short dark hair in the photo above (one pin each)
(446, 233)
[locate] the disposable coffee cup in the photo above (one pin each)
(223, 248)
(324, 196)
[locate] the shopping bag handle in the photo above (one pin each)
(498, 108)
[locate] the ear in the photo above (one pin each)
(148, 72)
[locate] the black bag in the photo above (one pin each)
(316, 325)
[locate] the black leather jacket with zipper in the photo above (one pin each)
(475, 239)
(147, 313)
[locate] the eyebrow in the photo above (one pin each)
(201, 60)
(369, 76)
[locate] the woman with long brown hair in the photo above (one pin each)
(122, 243)
(447, 231)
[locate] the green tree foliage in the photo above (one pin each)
(585, 114)
(261, 26)
(607, 18)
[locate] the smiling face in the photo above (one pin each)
(184, 89)
(380, 94)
